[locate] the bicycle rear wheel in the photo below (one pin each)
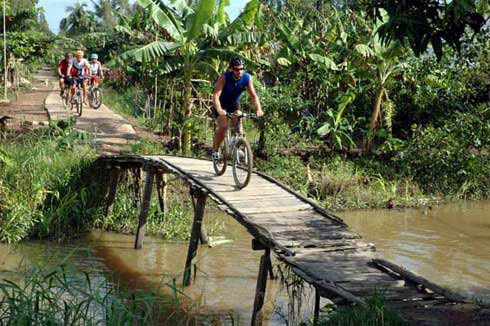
(242, 163)
(220, 165)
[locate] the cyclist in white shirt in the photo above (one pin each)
(95, 69)
(79, 67)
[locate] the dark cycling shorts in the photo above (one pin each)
(229, 109)
(68, 81)
(79, 81)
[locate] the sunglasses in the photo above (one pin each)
(238, 69)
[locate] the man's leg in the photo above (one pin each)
(62, 85)
(219, 135)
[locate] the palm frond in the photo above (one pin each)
(164, 17)
(151, 51)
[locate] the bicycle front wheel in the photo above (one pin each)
(79, 105)
(220, 165)
(242, 163)
(96, 98)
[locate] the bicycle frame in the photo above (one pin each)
(231, 140)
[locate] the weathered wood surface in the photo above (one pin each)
(315, 243)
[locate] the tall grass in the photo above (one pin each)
(342, 184)
(374, 313)
(60, 297)
(41, 183)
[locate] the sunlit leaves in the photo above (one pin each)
(323, 61)
(152, 50)
(204, 11)
(164, 17)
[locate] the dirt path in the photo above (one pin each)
(29, 107)
(110, 130)
(42, 103)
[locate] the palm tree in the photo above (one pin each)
(183, 46)
(77, 21)
(104, 11)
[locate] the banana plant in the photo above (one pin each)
(184, 47)
(385, 62)
(338, 128)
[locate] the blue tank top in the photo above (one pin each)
(233, 89)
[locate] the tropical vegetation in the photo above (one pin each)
(369, 103)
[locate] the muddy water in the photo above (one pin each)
(448, 244)
(226, 274)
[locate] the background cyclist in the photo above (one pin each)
(228, 90)
(95, 69)
(63, 72)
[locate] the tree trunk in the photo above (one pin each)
(187, 102)
(374, 118)
(170, 109)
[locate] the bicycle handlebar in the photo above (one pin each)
(243, 115)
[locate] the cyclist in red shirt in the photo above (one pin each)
(63, 71)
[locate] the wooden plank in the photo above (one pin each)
(259, 198)
(272, 209)
(329, 287)
(419, 280)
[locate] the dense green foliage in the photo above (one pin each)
(42, 193)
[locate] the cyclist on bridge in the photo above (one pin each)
(226, 98)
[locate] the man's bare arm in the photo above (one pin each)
(254, 98)
(218, 88)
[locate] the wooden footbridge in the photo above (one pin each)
(316, 244)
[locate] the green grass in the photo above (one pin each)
(175, 225)
(340, 183)
(63, 297)
(41, 188)
(374, 313)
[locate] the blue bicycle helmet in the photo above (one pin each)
(94, 56)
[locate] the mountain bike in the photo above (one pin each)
(236, 149)
(77, 99)
(65, 95)
(94, 96)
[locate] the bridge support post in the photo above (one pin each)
(257, 245)
(203, 235)
(111, 197)
(161, 181)
(317, 308)
(199, 206)
(264, 267)
(145, 205)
